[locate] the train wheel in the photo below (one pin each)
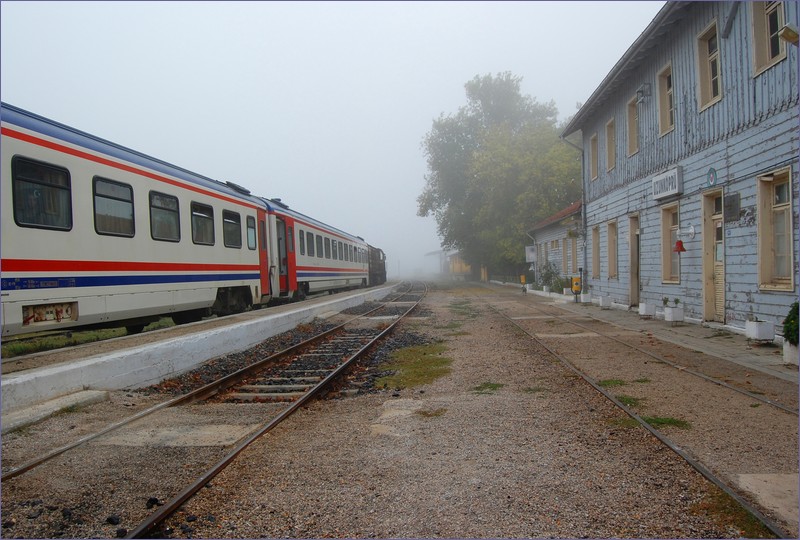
(134, 329)
(186, 317)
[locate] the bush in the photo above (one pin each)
(790, 325)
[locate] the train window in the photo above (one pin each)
(262, 234)
(341, 251)
(335, 251)
(113, 207)
(251, 232)
(231, 229)
(42, 195)
(319, 246)
(165, 221)
(291, 239)
(310, 243)
(302, 237)
(202, 224)
(350, 249)
(327, 248)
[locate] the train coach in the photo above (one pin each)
(95, 234)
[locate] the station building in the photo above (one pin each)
(690, 164)
(558, 242)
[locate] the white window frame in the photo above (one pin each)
(613, 240)
(595, 252)
(593, 157)
(769, 212)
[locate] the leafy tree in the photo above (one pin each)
(494, 168)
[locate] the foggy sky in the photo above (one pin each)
(321, 104)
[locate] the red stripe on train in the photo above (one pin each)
(35, 265)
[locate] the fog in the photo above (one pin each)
(321, 104)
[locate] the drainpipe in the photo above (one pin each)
(583, 211)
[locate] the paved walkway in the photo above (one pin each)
(715, 339)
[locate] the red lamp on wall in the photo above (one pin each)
(679, 247)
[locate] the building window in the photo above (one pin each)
(775, 246)
(165, 223)
(596, 252)
(593, 157)
(564, 261)
(202, 224)
(666, 101)
(708, 63)
(670, 260)
(113, 208)
(42, 195)
(611, 145)
(231, 229)
(612, 250)
(769, 48)
(633, 126)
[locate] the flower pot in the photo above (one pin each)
(759, 330)
(789, 353)
(586, 298)
(647, 310)
(567, 291)
(673, 314)
(546, 289)
(605, 302)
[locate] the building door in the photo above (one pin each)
(713, 258)
(634, 243)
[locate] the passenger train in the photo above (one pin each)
(95, 234)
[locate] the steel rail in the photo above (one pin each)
(198, 394)
(699, 467)
(176, 502)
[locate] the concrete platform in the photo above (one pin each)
(28, 394)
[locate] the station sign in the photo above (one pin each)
(668, 183)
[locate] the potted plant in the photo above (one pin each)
(605, 302)
(757, 330)
(672, 313)
(790, 330)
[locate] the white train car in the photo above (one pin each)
(314, 257)
(93, 232)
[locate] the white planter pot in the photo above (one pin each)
(567, 291)
(605, 302)
(546, 289)
(647, 310)
(759, 330)
(789, 353)
(673, 314)
(586, 298)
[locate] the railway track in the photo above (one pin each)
(272, 388)
(551, 342)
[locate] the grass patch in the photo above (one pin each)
(729, 514)
(415, 366)
(642, 380)
(629, 401)
(487, 388)
(431, 414)
(754, 405)
(607, 383)
(452, 325)
(461, 333)
(660, 421)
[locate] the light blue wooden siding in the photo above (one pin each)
(746, 100)
(752, 130)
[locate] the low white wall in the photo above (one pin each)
(149, 364)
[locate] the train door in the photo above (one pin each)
(283, 260)
(263, 260)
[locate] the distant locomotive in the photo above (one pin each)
(94, 233)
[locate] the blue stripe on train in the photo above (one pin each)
(330, 274)
(19, 284)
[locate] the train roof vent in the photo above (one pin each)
(238, 188)
(280, 203)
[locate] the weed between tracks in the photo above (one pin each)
(487, 388)
(415, 366)
(730, 515)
